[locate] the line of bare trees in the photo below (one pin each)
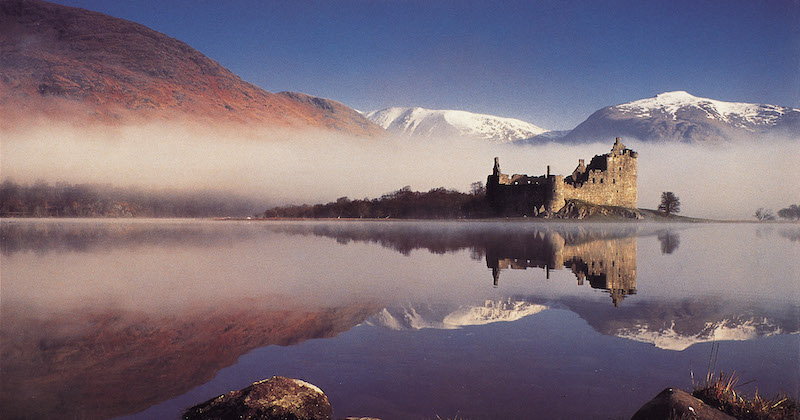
(789, 213)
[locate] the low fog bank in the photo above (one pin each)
(290, 167)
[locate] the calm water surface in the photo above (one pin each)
(142, 319)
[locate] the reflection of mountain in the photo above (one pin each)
(106, 364)
(673, 325)
(676, 325)
(417, 317)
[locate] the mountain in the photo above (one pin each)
(79, 365)
(78, 65)
(681, 117)
(428, 123)
(416, 317)
(665, 337)
(673, 325)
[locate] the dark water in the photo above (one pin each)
(103, 319)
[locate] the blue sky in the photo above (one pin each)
(551, 63)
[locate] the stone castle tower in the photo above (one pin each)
(609, 179)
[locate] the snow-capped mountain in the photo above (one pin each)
(420, 122)
(673, 326)
(416, 317)
(725, 330)
(680, 116)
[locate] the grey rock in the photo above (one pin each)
(271, 399)
(674, 404)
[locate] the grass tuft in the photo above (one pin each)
(719, 391)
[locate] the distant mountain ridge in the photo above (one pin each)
(681, 117)
(667, 117)
(702, 323)
(433, 123)
(78, 65)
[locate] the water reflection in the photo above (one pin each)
(607, 264)
(792, 233)
(669, 241)
(102, 319)
(603, 255)
(103, 364)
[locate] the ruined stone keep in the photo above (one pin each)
(609, 180)
(607, 261)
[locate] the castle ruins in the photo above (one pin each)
(607, 262)
(609, 180)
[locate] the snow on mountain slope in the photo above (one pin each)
(739, 114)
(422, 316)
(728, 330)
(421, 122)
(680, 116)
(492, 311)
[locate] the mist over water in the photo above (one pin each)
(295, 167)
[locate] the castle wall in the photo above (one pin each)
(609, 179)
(523, 195)
(614, 186)
(609, 265)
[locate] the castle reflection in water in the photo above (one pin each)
(608, 264)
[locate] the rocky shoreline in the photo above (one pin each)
(280, 398)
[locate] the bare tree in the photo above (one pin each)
(763, 214)
(670, 203)
(477, 188)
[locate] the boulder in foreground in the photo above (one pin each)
(275, 398)
(675, 404)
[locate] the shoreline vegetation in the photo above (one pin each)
(63, 200)
(444, 204)
(720, 392)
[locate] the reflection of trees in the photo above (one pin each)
(604, 257)
(87, 200)
(85, 235)
(792, 234)
(669, 241)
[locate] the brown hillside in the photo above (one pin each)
(104, 364)
(75, 64)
